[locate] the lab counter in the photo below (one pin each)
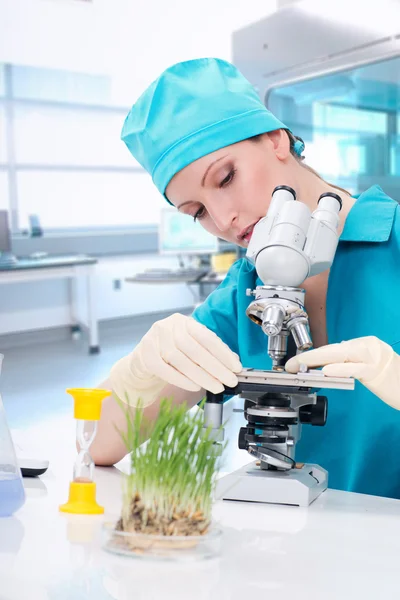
(343, 546)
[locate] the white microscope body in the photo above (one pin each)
(289, 245)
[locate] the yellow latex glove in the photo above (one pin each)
(373, 362)
(177, 350)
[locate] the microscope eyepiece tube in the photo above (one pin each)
(280, 196)
(285, 187)
(331, 195)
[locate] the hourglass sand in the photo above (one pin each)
(82, 490)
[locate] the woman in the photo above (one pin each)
(216, 153)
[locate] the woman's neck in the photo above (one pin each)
(309, 188)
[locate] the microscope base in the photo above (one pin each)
(298, 487)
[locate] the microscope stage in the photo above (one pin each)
(311, 379)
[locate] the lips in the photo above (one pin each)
(245, 234)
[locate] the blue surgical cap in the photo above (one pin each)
(192, 109)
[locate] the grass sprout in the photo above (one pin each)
(171, 483)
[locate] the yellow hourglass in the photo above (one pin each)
(82, 489)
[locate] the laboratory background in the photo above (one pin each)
(91, 256)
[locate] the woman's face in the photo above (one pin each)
(229, 191)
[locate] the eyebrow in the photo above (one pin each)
(203, 180)
(183, 204)
(209, 167)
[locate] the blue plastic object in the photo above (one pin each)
(12, 495)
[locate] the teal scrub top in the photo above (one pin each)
(360, 443)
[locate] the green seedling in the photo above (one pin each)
(170, 488)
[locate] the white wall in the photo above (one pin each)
(133, 41)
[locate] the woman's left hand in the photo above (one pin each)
(373, 362)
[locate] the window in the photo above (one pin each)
(60, 86)
(395, 149)
(79, 199)
(3, 191)
(3, 145)
(333, 118)
(335, 156)
(51, 135)
(70, 166)
(349, 122)
(2, 81)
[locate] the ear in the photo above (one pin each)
(280, 142)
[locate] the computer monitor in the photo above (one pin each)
(5, 237)
(180, 234)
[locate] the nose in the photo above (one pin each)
(224, 216)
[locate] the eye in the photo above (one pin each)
(228, 179)
(200, 214)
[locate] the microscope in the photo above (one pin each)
(288, 245)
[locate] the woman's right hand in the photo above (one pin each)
(179, 351)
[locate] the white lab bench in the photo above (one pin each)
(344, 546)
(72, 268)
